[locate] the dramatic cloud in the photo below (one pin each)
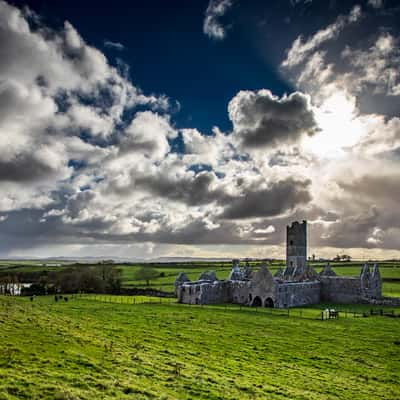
(216, 9)
(354, 85)
(53, 88)
(280, 197)
(261, 119)
(88, 161)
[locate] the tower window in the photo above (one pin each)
(291, 243)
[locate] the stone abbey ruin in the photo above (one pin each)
(297, 285)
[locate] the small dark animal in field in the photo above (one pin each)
(108, 348)
(177, 368)
(66, 299)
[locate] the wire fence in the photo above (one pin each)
(317, 313)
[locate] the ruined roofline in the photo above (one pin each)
(297, 282)
(197, 283)
(339, 277)
(295, 223)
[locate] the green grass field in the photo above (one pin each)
(390, 272)
(88, 348)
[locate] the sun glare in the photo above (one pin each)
(340, 127)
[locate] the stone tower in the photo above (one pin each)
(296, 249)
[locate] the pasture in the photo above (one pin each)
(168, 272)
(104, 348)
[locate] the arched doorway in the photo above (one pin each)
(256, 302)
(269, 302)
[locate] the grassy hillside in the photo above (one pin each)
(89, 349)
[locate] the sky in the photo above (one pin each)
(199, 128)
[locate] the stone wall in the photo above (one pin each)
(240, 292)
(340, 289)
(204, 292)
(294, 294)
(386, 301)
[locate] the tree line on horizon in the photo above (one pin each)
(73, 279)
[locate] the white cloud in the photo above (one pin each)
(376, 66)
(268, 229)
(302, 48)
(376, 3)
(148, 134)
(212, 27)
(114, 45)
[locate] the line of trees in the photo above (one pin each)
(342, 257)
(75, 279)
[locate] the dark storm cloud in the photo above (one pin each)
(352, 230)
(367, 215)
(375, 187)
(196, 232)
(25, 168)
(189, 189)
(25, 229)
(261, 119)
(203, 188)
(279, 197)
(192, 190)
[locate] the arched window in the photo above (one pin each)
(256, 302)
(269, 302)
